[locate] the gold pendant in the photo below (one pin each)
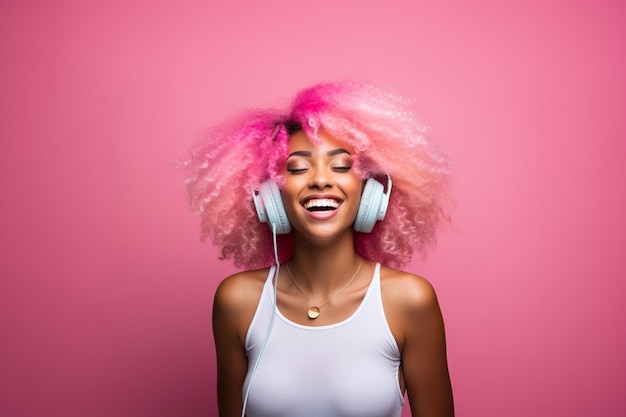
(314, 312)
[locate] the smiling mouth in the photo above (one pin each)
(321, 204)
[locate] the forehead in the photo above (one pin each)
(300, 141)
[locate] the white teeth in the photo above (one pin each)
(322, 202)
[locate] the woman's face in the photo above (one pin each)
(322, 192)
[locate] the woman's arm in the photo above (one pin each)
(233, 308)
(419, 329)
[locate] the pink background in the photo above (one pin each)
(106, 292)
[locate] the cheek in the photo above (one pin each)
(354, 184)
(290, 188)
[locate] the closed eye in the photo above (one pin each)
(296, 170)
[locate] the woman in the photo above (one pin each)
(350, 187)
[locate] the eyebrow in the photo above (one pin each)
(307, 154)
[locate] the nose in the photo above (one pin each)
(320, 178)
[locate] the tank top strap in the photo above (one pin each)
(376, 276)
(374, 288)
(270, 275)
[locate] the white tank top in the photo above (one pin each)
(347, 369)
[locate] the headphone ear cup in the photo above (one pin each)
(370, 207)
(270, 208)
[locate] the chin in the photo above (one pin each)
(325, 234)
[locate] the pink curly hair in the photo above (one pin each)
(237, 156)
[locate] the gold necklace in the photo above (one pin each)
(314, 311)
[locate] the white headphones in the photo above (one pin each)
(374, 202)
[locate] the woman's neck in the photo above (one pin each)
(322, 267)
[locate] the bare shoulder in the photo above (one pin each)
(407, 290)
(241, 289)
(234, 305)
(237, 297)
(410, 305)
